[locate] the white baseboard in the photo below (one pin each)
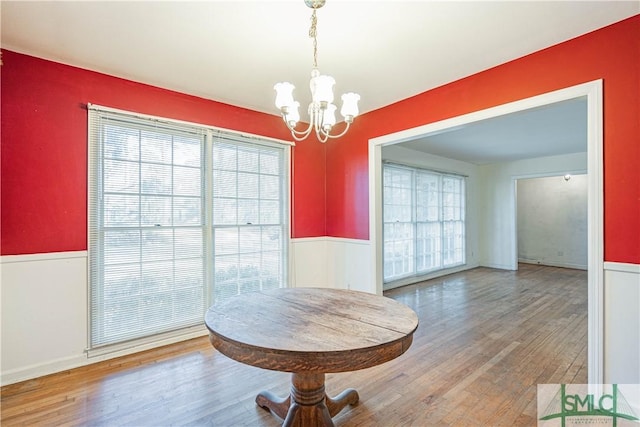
(416, 279)
(91, 357)
(33, 371)
(553, 264)
(496, 266)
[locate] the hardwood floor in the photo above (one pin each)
(486, 338)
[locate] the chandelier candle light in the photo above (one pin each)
(322, 116)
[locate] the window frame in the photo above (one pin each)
(419, 239)
(96, 189)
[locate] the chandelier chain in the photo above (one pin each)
(313, 33)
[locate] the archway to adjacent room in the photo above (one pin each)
(592, 92)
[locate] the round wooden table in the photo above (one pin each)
(310, 332)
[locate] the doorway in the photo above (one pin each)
(592, 92)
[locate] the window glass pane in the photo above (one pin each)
(187, 303)
(226, 241)
(156, 211)
(248, 212)
(271, 240)
(225, 211)
(271, 276)
(121, 210)
(191, 273)
(187, 211)
(156, 276)
(186, 181)
(187, 151)
(121, 177)
(157, 244)
(121, 246)
(121, 281)
(269, 187)
(121, 143)
(248, 160)
(156, 179)
(250, 240)
(156, 147)
(225, 157)
(269, 163)
(225, 183)
(188, 243)
(226, 275)
(269, 212)
(248, 185)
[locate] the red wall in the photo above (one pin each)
(44, 149)
(44, 128)
(611, 54)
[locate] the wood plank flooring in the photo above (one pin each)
(486, 339)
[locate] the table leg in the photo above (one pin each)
(308, 404)
(336, 404)
(277, 405)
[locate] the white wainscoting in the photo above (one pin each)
(43, 302)
(331, 262)
(308, 267)
(622, 323)
(44, 314)
(349, 264)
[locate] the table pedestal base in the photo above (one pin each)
(308, 404)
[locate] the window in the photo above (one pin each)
(248, 230)
(423, 221)
(179, 215)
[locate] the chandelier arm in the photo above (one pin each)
(341, 134)
(298, 135)
(322, 136)
(294, 135)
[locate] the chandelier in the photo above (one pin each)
(322, 117)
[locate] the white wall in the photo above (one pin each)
(552, 221)
(497, 203)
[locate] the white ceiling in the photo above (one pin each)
(555, 129)
(234, 51)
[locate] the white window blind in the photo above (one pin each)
(161, 217)
(453, 226)
(423, 221)
(248, 218)
(399, 229)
